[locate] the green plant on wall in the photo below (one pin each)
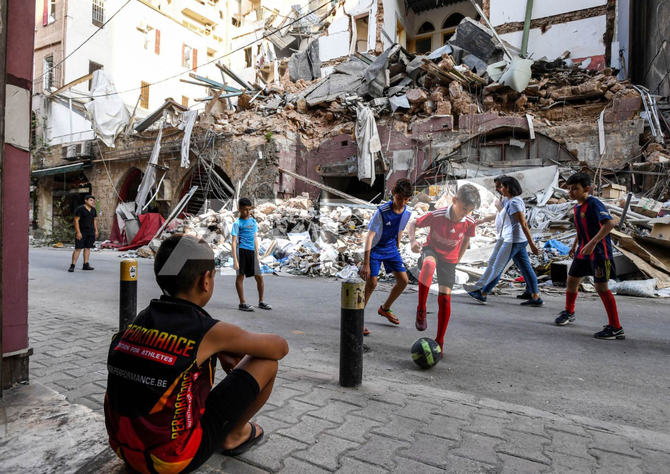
(63, 222)
(269, 135)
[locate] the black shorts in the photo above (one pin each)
(446, 272)
(601, 270)
(224, 406)
(248, 263)
(87, 241)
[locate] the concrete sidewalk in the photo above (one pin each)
(312, 425)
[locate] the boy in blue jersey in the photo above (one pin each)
(381, 246)
(245, 255)
(592, 253)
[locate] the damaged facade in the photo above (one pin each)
(302, 80)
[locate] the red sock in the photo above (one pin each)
(425, 280)
(610, 307)
(443, 316)
(570, 299)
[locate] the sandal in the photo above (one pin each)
(366, 331)
(247, 445)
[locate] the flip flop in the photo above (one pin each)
(247, 445)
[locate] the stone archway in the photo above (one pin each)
(210, 189)
(129, 184)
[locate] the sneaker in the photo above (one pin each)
(564, 318)
(421, 324)
(245, 307)
(366, 331)
(532, 302)
(477, 296)
(264, 305)
(388, 314)
(87, 267)
(609, 333)
(71, 269)
(525, 296)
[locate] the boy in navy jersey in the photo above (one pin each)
(592, 253)
(450, 231)
(381, 246)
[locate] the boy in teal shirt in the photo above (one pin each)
(245, 255)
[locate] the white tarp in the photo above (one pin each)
(107, 111)
(532, 180)
(188, 120)
(369, 143)
(149, 178)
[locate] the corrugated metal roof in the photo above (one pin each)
(418, 6)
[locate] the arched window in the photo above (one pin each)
(452, 21)
(427, 27)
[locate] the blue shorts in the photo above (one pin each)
(392, 263)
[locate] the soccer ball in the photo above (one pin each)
(426, 353)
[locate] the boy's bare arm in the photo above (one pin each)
(76, 227)
(233, 247)
(411, 231)
(95, 224)
(365, 269)
(464, 247)
(602, 233)
(236, 343)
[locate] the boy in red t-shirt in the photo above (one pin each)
(450, 231)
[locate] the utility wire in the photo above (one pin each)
(82, 44)
(218, 58)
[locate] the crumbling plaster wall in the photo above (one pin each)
(337, 42)
(578, 26)
(422, 142)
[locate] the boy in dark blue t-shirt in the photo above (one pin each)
(592, 253)
(381, 246)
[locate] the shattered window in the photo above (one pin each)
(452, 21)
(424, 45)
(248, 57)
(427, 27)
(144, 95)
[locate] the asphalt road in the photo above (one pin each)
(498, 351)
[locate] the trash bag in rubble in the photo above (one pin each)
(641, 288)
(555, 244)
(350, 271)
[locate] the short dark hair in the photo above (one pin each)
(512, 185)
(403, 186)
(244, 202)
(87, 197)
(469, 195)
(583, 179)
(180, 262)
(498, 179)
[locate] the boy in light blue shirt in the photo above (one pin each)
(245, 255)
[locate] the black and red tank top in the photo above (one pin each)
(156, 392)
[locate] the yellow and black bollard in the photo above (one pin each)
(128, 293)
(351, 333)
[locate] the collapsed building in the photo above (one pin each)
(331, 105)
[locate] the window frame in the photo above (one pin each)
(98, 12)
(144, 95)
(48, 71)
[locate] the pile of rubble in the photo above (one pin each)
(469, 74)
(293, 236)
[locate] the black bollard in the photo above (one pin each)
(351, 333)
(128, 293)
